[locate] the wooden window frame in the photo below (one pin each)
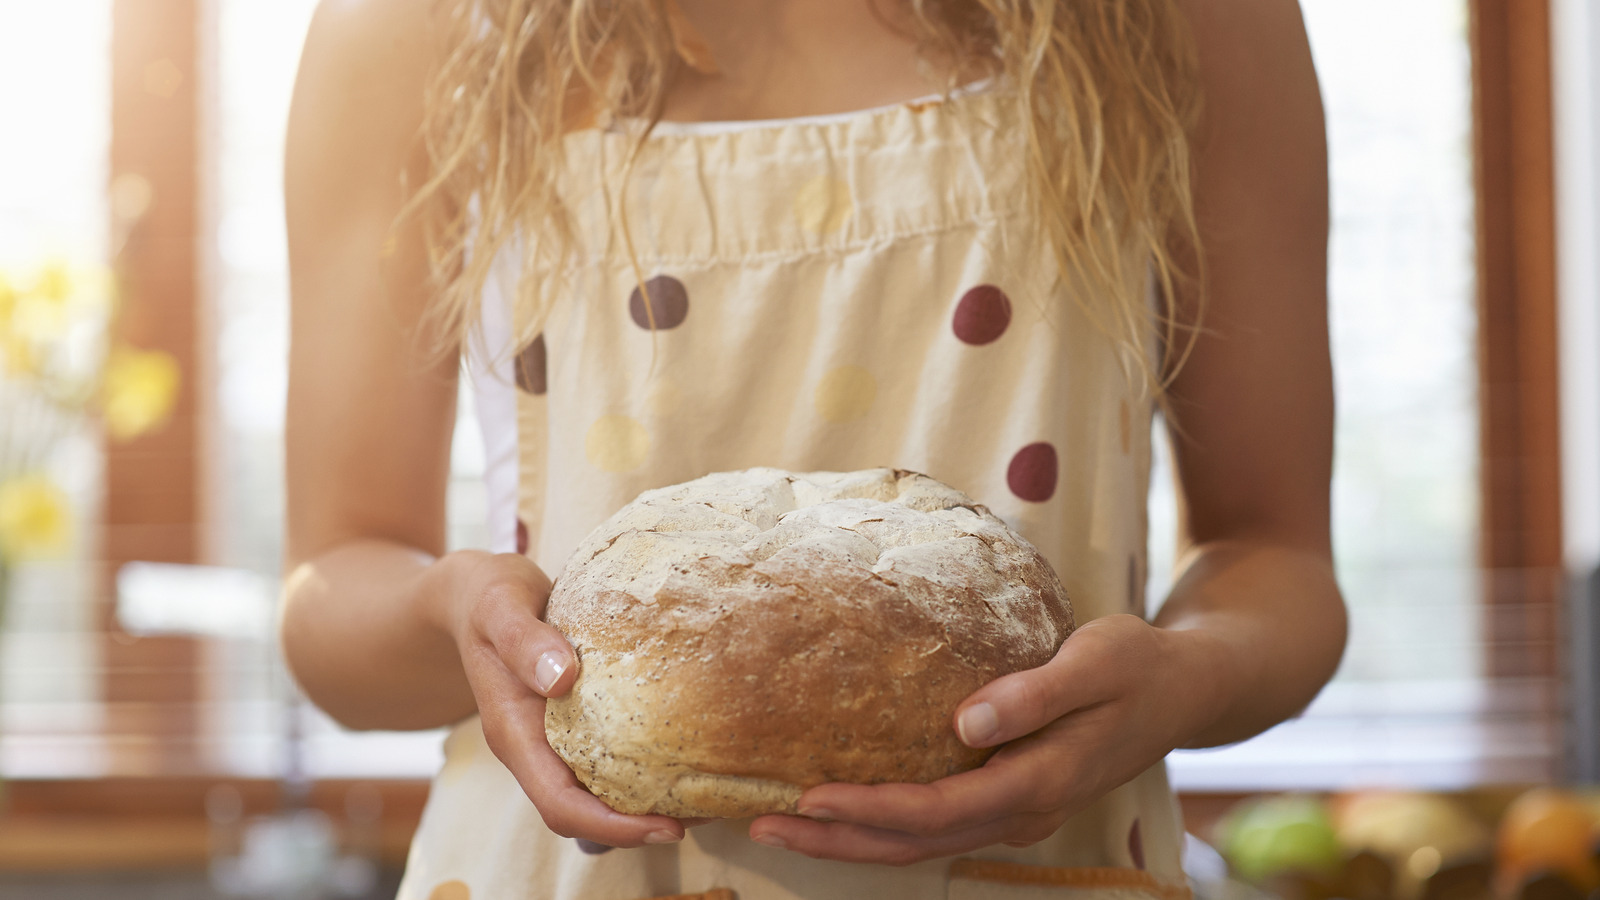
(1521, 545)
(151, 685)
(155, 498)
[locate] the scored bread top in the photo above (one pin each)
(776, 631)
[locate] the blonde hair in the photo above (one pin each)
(1108, 92)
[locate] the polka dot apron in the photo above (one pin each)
(833, 293)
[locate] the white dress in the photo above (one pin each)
(833, 293)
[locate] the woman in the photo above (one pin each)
(715, 234)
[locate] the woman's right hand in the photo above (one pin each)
(493, 605)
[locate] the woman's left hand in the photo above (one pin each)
(1118, 696)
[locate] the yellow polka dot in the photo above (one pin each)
(664, 397)
(823, 205)
(451, 890)
(617, 443)
(846, 393)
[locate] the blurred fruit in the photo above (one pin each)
(1417, 833)
(1301, 885)
(1366, 876)
(1548, 886)
(1547, 830)
(1469, 880)
(1267, 836)
(1590, 800)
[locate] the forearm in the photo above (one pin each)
(1267, 625)
(365, 635)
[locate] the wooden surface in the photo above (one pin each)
(162, 823)
(70, 844)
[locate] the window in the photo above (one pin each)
(1414, 702)
(1425, 695)
(258, 52)
(53, 207)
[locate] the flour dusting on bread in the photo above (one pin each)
(747, 635)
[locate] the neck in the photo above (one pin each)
(784, 58)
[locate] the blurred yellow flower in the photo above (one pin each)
(59, 294)
(17, 354)
(140, 389)
(16, 357)
(8, 300)
(55, 283)
(35, 518)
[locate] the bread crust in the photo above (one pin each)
(747, 635)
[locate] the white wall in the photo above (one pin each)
(1577, 82)
(1577, 75)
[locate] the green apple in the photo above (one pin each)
(1267, 836)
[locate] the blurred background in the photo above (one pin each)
(151, 744)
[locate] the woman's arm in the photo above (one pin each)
(369, 416)
(1252, 409)
(381, 628)
(1255, 624)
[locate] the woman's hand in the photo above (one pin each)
(513, 661)
(1117, 697)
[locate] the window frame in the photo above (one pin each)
(153, 499)
(1521, 545)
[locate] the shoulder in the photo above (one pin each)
(1252, 54)
(1221, 23)
(1262, 132)
(366, 40)
(359, 96)
(367, 62)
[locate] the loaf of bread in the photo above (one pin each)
(747, 635)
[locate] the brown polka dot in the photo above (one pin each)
(451, 890)
(592, 848)
(522, 537)
(667, 307)
(1032, 474)
(531, 367)
(1136, 844)
(982, 315)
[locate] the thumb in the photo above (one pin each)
(505, 620)
(1021, 703)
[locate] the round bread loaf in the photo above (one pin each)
(747, 635)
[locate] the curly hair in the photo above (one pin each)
(1107, 89)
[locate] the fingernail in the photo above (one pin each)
(977, 724)
(817, 812)
(661, 837)
(771, 840)
(548, 671)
